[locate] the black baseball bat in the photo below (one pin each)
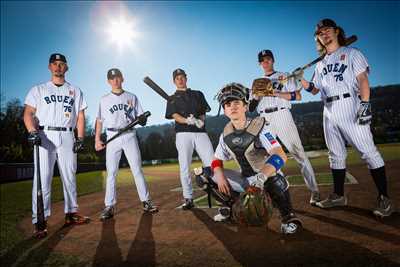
(128, 127)
(155, 87)
(41, 223)
(349, 41)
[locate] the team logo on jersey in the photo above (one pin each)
(237, 140)
(337, 69)
(270, 138)
(342, 57)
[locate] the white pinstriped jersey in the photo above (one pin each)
(117, 111)
(56, 106)
(273, 101)
(337, 73)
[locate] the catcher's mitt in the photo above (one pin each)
(262, 87)
(252, 208)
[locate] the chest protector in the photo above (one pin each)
(241, 146)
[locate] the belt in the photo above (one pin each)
(117, 130)
(336, 97)
(52, 128)
(270, 110)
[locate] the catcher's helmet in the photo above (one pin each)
(232, 91)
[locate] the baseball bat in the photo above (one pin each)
(349, 41)
(155, 87)
(39, 194)
(128, 127)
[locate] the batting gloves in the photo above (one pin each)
(142, 120)
(78, 145)
(364, 113)
(34, 138)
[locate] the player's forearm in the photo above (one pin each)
(98, 129)
(363, 84)
(29, 120)
(269, 169)
(80, 124)
(178, 118)
(290, 96)
(309, 87)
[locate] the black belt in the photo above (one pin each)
(52, 128)
(336, 97)
(270, 110)
(117, 130)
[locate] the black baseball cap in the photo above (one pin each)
(325, 23)
(265, 53)
(57, 56)
(112, 73)
(178, 72)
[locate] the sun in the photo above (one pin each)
(121, 32)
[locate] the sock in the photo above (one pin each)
(379, 176)
(338, 181)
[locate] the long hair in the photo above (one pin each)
(341, 40)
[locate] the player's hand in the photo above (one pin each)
(142, 120)
(78, 145)
(223, 185)
(199, 123)
(298, 74)
(364, 113)
(190, 120)
(99, 145)
(34, 138)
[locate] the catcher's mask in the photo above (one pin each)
(232, 91)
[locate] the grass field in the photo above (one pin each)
(15, 198)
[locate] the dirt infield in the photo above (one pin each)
(348, 236)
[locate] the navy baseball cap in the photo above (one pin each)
(57, 56)
(325, 23)
(178, 72)
(265, 53)
(112, 73)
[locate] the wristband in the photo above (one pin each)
(310, 87)
(276, 161)
(292, 96)
(216, 163)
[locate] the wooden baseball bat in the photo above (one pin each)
(155, 87)
(41, 223)
(128, 127)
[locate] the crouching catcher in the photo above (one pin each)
(260, 157)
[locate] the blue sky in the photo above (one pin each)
(215, 42)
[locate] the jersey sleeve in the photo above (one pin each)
(359, 62)
(268, 139)
(221, 152)
(138, 107)
(82, 101)
(316, 79)
(32, 97)
(171, 108)
(100, 116)
(204, 107)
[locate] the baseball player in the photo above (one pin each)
(342, 79)
(276, 111)
(253, 145)
(116, 110)
(52, 112)
(188, 108)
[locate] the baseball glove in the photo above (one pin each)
(252, 208)
(262, 87)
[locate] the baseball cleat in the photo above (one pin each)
(188, 204)
(291, 224)
(224, 214)
(315, 197)
(385, 207)
(333, 200)
(40, 233)
(148, 206)
(74, 218)
(107, 213)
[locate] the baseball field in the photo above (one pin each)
(348, 236)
